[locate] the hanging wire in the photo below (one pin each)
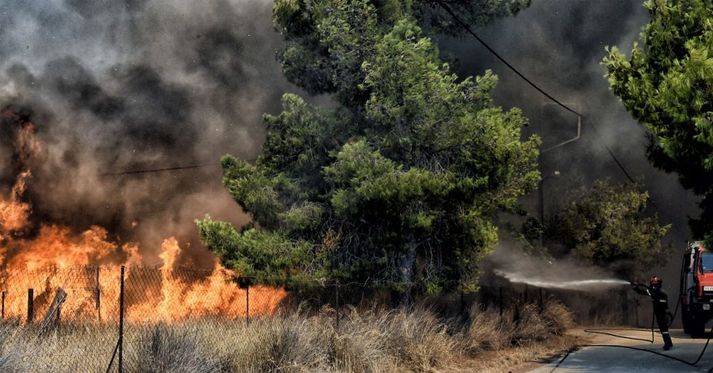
(154, 170)
(470, 31)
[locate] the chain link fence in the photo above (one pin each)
(54, 320)
(116, 319)
(108, 319)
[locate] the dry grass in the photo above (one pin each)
(373, 340)
(521, 325)
(522, 358)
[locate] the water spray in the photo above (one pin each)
(583, 285)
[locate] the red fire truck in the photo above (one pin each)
(696, 289)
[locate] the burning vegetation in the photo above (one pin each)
(45, 256)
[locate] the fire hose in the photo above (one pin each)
(604, 332)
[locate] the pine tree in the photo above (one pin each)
(399, 184)
(667, 85)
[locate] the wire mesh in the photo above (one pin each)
(68, 319)
(52, 320)
(167, 309)
(180, 319)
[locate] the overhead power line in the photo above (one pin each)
(503, 60)
(467, 28)
(154, 170)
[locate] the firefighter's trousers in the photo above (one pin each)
(662, 321)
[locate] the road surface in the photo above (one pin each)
(610, 359)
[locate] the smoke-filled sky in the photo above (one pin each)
(138, 84)
(559, 44)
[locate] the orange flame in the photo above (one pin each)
(56, 257)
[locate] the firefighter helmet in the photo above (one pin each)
(656, 281)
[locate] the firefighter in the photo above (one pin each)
(660, 303)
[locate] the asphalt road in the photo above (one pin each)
(610, 359)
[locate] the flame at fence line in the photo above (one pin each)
(45, 257)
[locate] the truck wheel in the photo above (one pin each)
(697, 328)
(686, 321)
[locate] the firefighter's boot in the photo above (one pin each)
(667, 344)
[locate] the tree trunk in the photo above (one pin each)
(407, 265)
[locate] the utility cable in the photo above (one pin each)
(467, 28)
(113, 355)
(154, 170)
(470, 31)
(604, 331)
(491, 50)
(619, 164)
(689, 363)
(598, 331)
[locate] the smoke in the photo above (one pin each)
(137, 84)
(559, 44)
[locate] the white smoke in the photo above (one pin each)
(519, 267)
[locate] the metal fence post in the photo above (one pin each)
(625, 307)
(247, 303)
(462, 302)
(500, 300)
(30, 305)
(3, 305)
(336, 303)
(121, 322)
(541, 301)
(98, 296)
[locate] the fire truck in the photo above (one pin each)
(696, 289)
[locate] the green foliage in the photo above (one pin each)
(474, 12)
(257, 253)
(397, 185)
(667, 84)
(606, 226)
(327, 40)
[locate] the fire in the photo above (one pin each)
(88, 265)
(14, 213)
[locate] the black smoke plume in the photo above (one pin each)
(115, 86)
